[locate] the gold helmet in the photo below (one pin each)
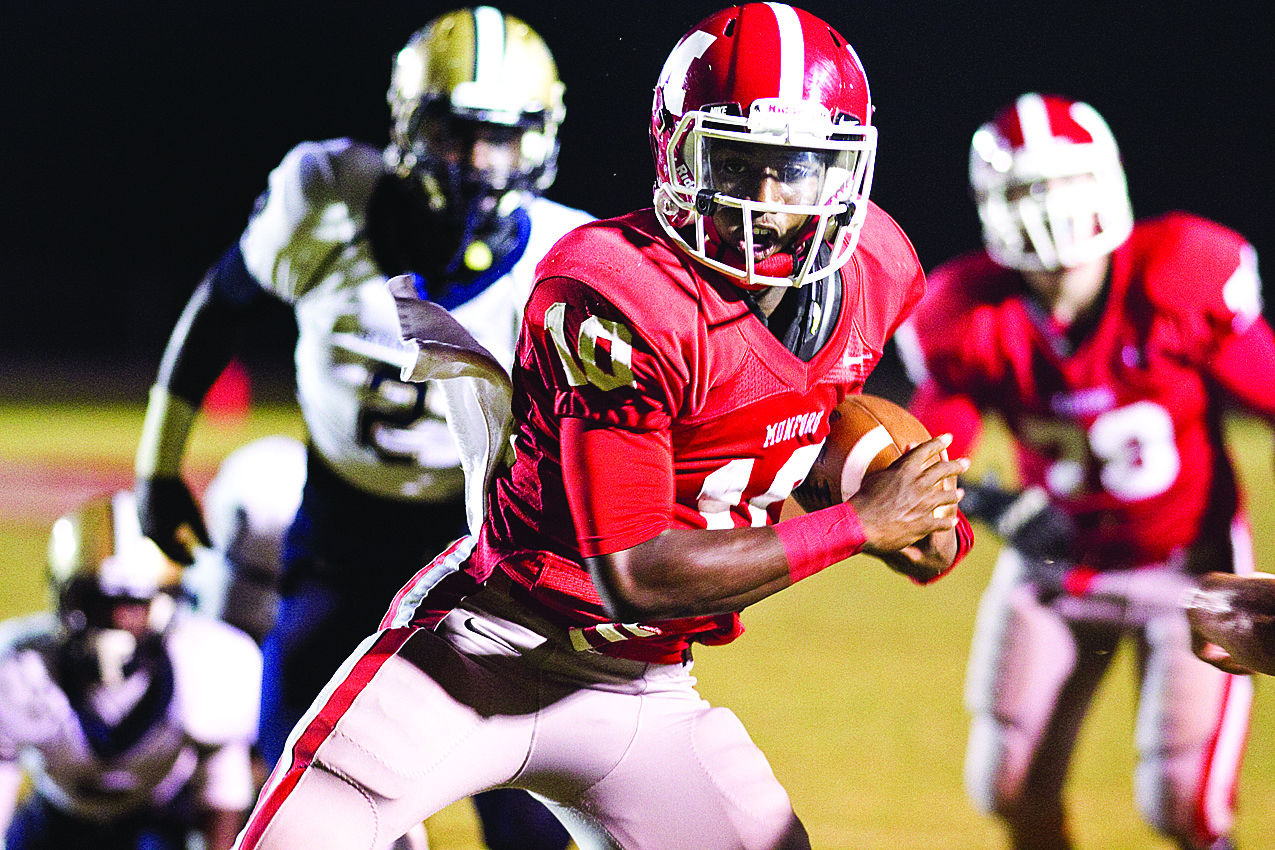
(475, 70)
(98, 558)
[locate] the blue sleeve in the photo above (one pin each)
(208, 333)
(231, 280)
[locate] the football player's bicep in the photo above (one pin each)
(619, 484)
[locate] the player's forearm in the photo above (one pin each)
(691, 572)
(201, 345)
(165, 431)
(1233, 621)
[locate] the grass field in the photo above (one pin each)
(850, 682)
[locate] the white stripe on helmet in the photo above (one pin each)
(489, 45)
(792, 52)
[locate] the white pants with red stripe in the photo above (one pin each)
(1034, 668)
(627, 754)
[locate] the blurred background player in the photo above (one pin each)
(248, 507)
(455, 199)
(1109, 349)
(675, 376)
(131, 715)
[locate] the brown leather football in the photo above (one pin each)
(867, 434)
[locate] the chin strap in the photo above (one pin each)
(780, 264)
(776, 265)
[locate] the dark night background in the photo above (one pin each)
(137, 134)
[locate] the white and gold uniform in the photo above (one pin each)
(162, 737)
(311, 245)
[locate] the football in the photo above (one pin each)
(867, 433)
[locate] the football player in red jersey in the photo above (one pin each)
(1109, 349)
(672, 384)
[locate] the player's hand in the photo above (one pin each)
(170, 516)
(1233, 621)
(1026, 519)
(31, 698)
(905, 502)
(923, 561)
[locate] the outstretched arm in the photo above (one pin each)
(201, 345)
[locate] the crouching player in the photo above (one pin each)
(130, 715)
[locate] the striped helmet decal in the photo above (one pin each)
(792, 52)
(489, 45)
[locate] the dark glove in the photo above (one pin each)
(1026, 519)
(170, 516)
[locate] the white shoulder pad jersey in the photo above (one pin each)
(307, 243)
(203, 735)
(248, 506)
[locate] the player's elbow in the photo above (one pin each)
(626, 597)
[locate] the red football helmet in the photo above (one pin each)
(764, 74)
(1049, 185)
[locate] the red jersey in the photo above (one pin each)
(624, 330)
(1123, 427)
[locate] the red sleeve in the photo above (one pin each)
(601, 363)
(1244, 365)
(964, 539)
(943, 412)
(619, 485)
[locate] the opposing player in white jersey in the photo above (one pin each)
(476, 104)
(130, 715)
(248, 507)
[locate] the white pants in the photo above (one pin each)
(627, 754)
(1034, 667)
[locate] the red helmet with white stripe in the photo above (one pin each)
(778, 82)
(1049, 185)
